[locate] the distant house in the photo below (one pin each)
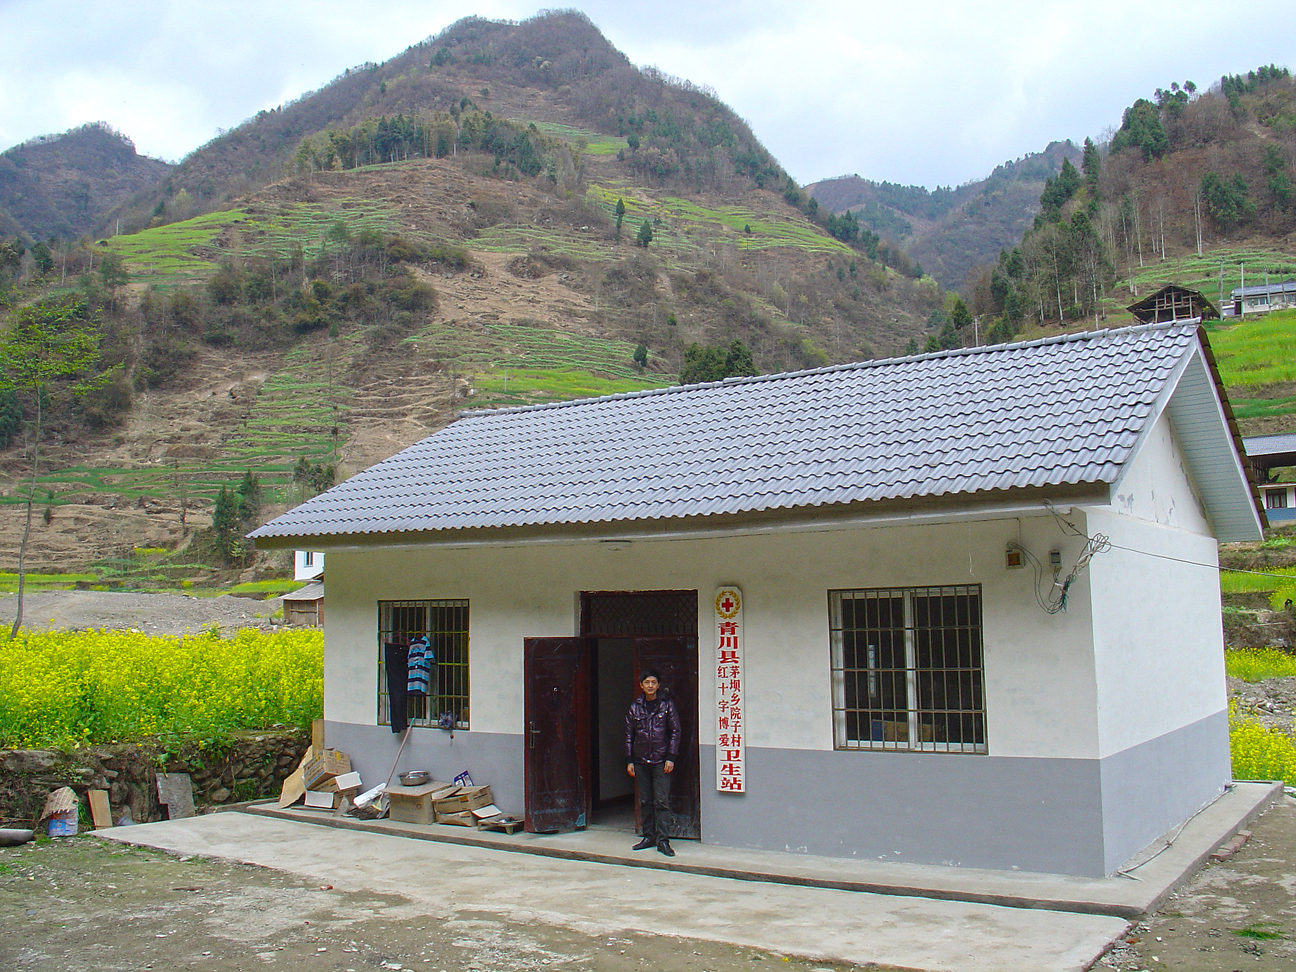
(955, 608)
(308, 564)
(306, 604)
(1173, 304)
(1262, 298)
(1267, 452)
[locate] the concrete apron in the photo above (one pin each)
(928, 918)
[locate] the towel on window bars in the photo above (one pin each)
(422, 659)
(395, 658)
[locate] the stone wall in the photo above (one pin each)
(230, 769)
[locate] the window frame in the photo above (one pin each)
(859, 689)
(450, 640)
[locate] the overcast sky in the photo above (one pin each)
(932, 92)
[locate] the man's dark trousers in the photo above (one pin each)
(653, 783)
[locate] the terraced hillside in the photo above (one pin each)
(460, 227)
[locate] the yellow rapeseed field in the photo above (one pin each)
(1260, 753)
(65, 688)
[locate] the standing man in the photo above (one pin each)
(652, 743)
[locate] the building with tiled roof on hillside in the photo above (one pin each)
(951, 608)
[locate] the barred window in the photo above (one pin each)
(445, 623)
(907, 669)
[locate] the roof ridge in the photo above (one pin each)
(1070, 337)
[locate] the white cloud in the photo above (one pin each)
(928, 92)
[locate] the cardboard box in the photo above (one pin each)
(321, 800)
(323, 766)
(466, 798)
(464, 819)
(415, 804)
(341, 783)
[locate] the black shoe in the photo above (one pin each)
(664, 846)
(644, 844)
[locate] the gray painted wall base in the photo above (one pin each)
(1083, 817)
(489, 757)
(1150, 789)
(921, 808)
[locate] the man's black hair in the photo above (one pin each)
(648, 673)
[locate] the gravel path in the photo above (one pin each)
(173, 614)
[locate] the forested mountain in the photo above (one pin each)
(951, 232)
(1192, 180)
(554, 68)
(62, 185)
(504, 213)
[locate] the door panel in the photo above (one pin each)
(676, 659)
(557, 714)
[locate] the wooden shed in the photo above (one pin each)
(305, 605)
(1173, 303)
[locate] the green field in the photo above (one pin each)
(595, 144)
(522, 364)
(1225, 264)
(189, 251)
(1257, 351)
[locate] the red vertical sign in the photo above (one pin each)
(730, 714)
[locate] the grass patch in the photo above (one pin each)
(522, 364)
(45, 582)
(189, 251)
(1261, 930)
(595, 144)
(1246, 582)
(1257, 352)
(268, 587)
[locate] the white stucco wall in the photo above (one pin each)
(1158, 486)
(303, 571)
(1040, 681)
(1159, 659)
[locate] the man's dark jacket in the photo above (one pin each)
(652, 731)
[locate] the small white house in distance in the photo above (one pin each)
(1268, 452)
(306, 604)
(308, 565)
(956, 608)
(1262, 298)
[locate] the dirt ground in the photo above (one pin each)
(1235, 915)
(82, 904)
(155, 614)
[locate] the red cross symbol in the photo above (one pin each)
(727, 604)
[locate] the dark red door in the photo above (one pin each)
(675, 658)
(557, 713)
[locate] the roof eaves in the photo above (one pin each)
(982, 504)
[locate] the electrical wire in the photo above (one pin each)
(1055, 602)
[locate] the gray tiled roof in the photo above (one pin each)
(1065, 410)
(1287, 287)
(1263, 445)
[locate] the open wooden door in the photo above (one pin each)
(557, 712)
(676, 659)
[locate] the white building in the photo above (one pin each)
(308, 565)
(980, 606)
(1268, 452)
(1262, 298)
